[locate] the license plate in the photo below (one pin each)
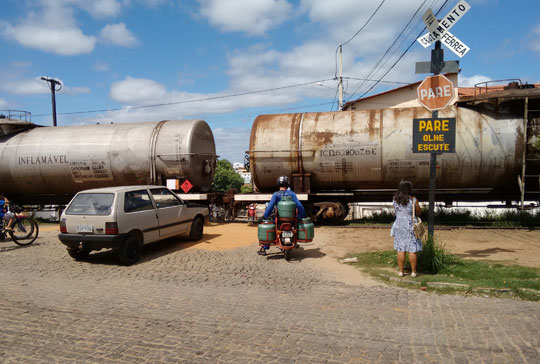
(84, 228)
(287, 234)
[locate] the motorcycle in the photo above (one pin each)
(285, 230)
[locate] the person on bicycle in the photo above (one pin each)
(284, 190)
(4, 213)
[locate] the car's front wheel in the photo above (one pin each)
(197, 226)
(130, 250)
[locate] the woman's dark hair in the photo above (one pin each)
(403, 193)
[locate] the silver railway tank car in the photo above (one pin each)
(51, 164)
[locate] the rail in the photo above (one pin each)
(16, 115)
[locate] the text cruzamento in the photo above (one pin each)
(440, 28)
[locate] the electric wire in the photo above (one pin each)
(188, 101)
(388, 50)
(402, 44)
(366, 23)
(400, 57)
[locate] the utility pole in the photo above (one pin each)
(340, 83)
(53, 84)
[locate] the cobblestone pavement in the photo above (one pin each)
(194, 306)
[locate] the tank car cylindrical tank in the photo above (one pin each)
(372, 149)
(60, 161)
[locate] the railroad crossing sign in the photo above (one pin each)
(186, 186)
(439, 30)
(435, 92)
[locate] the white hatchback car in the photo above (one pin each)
(124, 218)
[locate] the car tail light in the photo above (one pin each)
(111, 228)
(63, 228)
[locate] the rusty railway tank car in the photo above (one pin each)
(51, 164)
(362, 155)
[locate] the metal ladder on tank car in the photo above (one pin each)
(529, 181)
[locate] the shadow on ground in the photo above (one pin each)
(483, 253)
(150, 251)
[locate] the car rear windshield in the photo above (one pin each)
(91, 204)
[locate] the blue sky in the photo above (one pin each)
(192, 55)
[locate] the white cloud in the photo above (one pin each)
(231, 143)
(50, 29)
(534, 43)
(26, 87)
(118, 34)
(66, 41)
(137, 91)
(3, 104)
(101, 66)
(464, 81)
(101, 8)
(251, 17)
(52, 26)
(36, 86)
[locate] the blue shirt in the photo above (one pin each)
(276, 197)
(2, 207)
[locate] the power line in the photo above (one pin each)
(385, 53)
(367, 80)
(190, 101)
(355, 34)
(402, 55)
(366, 23)
(401, 45)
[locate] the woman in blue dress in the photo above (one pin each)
(402, 230)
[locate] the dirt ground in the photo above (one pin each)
(331, 243)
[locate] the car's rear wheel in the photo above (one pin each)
(78, 254)
(197, 227)
(130, 250)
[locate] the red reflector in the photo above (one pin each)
(63, 228)
(111, 228)
(286, 227)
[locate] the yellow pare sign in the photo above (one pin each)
(433, 125)
(434, 135)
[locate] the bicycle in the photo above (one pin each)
(24, 231)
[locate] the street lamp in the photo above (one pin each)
(53, 84)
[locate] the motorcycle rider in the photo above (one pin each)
(284, 190)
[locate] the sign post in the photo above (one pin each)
(437, 136)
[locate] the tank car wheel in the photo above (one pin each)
(197, 227)
(78, 254)
(130, 250)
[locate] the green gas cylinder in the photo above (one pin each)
(306, 230)
(286, 207)
(266, 231)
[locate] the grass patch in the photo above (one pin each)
(481, 277)
(463, 217)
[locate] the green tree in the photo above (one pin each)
(226, 177)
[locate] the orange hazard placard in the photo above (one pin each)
(186, 186)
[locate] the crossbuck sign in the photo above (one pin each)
(439, 30)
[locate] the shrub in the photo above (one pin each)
(434, 257)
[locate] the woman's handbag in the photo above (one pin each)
(418, 226)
